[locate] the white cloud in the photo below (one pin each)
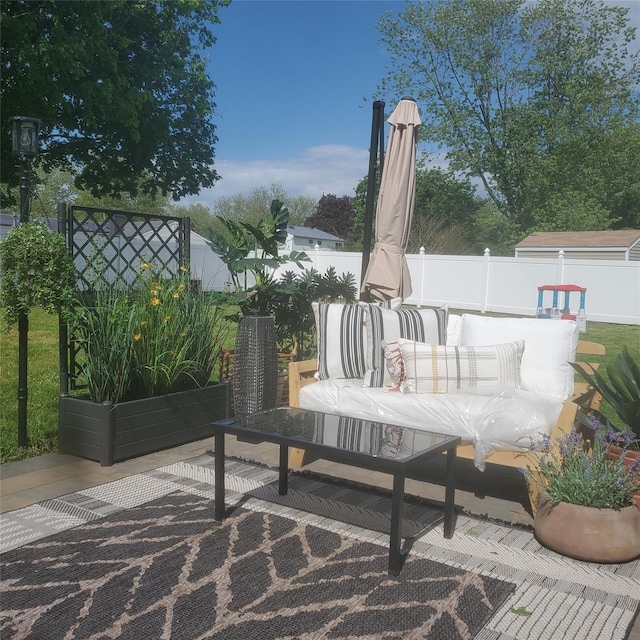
(315, 171)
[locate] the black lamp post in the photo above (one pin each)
(25, 133)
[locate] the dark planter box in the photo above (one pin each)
(110, 432)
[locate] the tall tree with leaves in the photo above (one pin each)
(533, 99)
(121, 89)
(252, 207)
(334, 215)
(444, 213)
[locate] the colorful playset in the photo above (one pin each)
(555, 312)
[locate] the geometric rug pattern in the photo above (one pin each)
(554, 597)
(161, 570)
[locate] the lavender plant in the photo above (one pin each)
(577, 469)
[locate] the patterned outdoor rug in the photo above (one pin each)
(143, 558)
(165, 570)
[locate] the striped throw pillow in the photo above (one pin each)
(342, 338)
(430, 368)
(387, 325)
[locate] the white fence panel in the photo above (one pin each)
(613, 292)
(456, 280)
(513, 284)
(507, 285)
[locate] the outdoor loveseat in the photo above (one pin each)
(498, 383)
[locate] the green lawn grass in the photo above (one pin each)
(43, 386)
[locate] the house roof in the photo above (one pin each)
(309, 232)
(622, 239)
(11, 220)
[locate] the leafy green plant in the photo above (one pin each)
(291, 306)
(578, 470)
(105, 328)
(36, 270)
(160, 336)
(251, 253)
(620, 388)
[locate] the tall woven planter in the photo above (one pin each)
(255, 366)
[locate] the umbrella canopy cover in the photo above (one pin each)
(387, 275)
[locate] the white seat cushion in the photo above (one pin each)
(491, 418)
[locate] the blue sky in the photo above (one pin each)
(294, 85)
(295, 80)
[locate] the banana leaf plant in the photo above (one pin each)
(253, 250)
(620, 389)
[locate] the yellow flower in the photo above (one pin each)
(145, 265)
(137, 337)
(176, 295)
(154, 302)
(156, 285)
(184, 269)
(154, 292)
(143, 323)
(181, 286)
(167, 318)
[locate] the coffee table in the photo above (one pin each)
(371, 445)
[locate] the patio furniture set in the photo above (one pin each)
(393, 388)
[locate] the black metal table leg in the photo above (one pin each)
(397, 508)
(219, 476)
(450, 493)
(283, 474)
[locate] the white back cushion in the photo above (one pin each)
(549, 346)
(454, 330)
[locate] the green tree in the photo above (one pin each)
(199, 214)
(121, 90)
(533, 99)
(252, 208)
(444, 213)
(58, 186)
(491, 230)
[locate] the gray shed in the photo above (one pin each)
(584, 245)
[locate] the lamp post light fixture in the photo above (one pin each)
(25, 135)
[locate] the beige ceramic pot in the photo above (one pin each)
(586, 533)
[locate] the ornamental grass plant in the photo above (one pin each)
(576, 468)
(158, 336)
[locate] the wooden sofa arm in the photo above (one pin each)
(301, 373)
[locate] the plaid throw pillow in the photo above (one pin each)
(430, 368)
(421, 325)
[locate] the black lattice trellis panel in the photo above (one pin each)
(108, 247)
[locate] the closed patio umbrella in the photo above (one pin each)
(387, 275)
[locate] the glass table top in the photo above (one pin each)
(370, 438)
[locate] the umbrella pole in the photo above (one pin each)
(377, 142)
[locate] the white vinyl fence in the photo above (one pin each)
(507, 285)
